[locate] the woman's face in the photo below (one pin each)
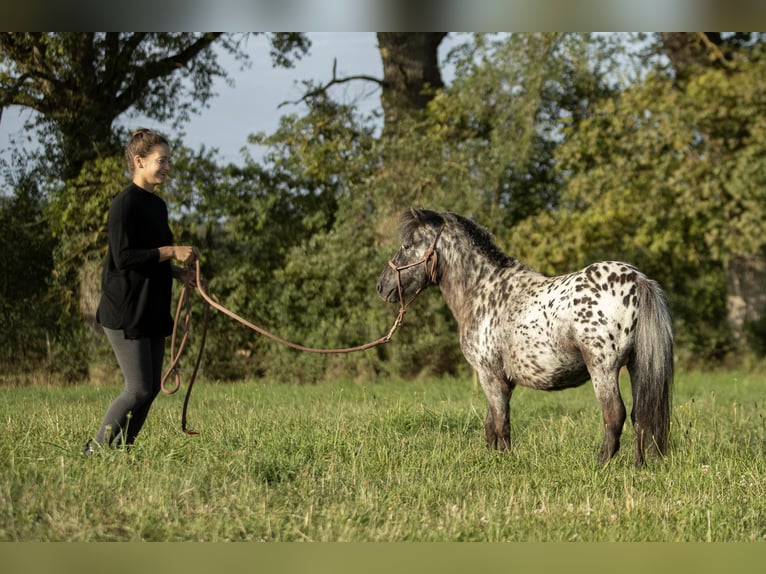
(152, 169)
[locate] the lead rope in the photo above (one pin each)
(184, 302)
(429, 261)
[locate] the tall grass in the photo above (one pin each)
(385, 461)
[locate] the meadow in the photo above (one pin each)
(380, 461)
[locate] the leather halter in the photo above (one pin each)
(429, 260)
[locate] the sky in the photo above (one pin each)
(252, 104)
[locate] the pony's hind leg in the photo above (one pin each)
(497, 425)
(607, 389)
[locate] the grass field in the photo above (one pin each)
(385, 461)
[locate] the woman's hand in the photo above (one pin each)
(182, 253)
(188, 277)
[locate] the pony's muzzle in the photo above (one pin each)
(388, 294)
(387, 287)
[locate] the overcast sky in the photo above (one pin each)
(252, 104)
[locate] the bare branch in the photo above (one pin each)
(8, 96)
(716, 53)
(334, 81)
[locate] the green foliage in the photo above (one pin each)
(486, 147)
(628, 169)
(79, 84)
(267, 225)
(670, 180)
(26, 262)
(560, 144)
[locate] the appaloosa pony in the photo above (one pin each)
(519, 327)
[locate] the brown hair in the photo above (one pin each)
(141, 144)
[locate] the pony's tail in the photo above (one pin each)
(651, 371)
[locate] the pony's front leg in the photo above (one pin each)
(497, 425)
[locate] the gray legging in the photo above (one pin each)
(141, 363)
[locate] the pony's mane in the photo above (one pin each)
(479, 238)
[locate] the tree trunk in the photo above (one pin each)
(410, 73)
(746, 297)
(687, 50)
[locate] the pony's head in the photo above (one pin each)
(415, 265)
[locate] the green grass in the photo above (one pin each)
(385, 461)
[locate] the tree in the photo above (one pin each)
(672, 180)
(273, 223)
(26, 261)
(722, 75)
(80, 83)
(482, 147)
(690, 52)
(411, 74)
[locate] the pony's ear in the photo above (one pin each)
(428, 218)
(411, 215)
(422, 216)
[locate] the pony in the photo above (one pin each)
(518, 327)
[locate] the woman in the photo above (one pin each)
(134, 310)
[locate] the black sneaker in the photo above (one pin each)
(91, 447)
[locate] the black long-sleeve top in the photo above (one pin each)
(136, 288)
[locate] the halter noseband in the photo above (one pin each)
(429, 260)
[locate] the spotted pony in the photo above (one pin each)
(519, 327)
